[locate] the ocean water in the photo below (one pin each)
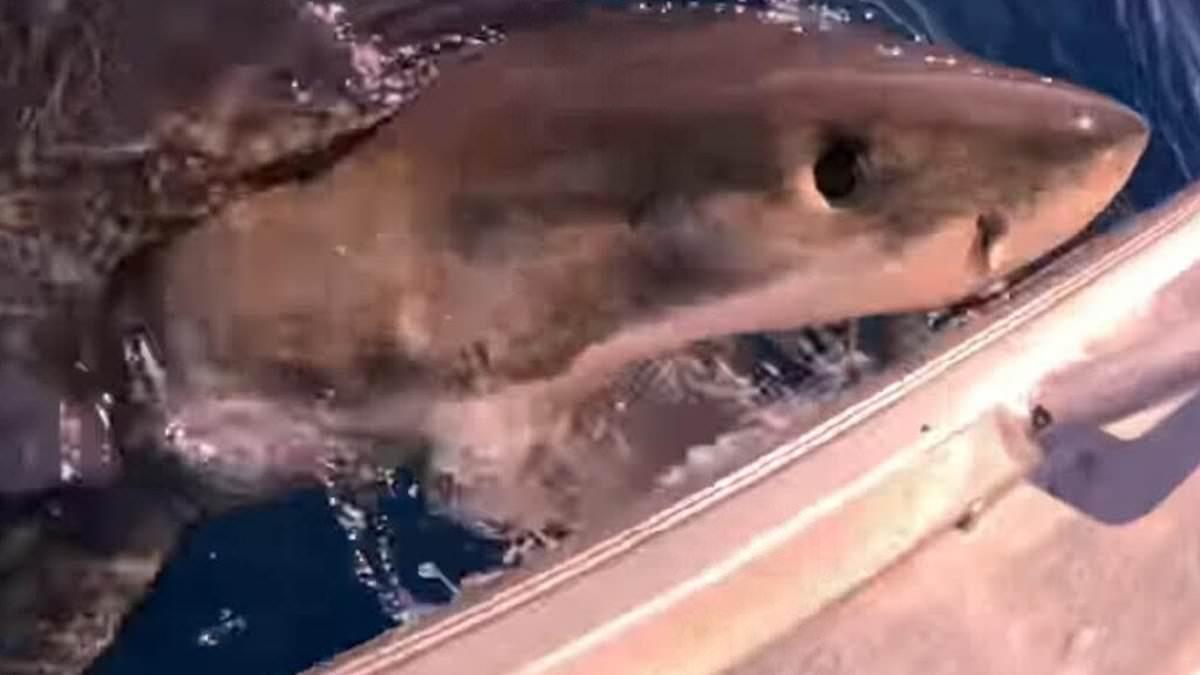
(275, 588)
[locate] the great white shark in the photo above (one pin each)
(598, 190)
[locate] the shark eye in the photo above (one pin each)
(838, 171)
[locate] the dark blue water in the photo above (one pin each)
(274, 589)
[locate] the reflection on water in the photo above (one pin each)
(277, 587)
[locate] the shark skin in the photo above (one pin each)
(107, 147)
(478, 276)
(598, 192)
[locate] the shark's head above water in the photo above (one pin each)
(593, 193)
(721, 176)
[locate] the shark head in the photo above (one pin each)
(757, 177)
(592, 193)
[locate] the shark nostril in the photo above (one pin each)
(838, 171)
(990, 230)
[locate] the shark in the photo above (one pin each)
(601, 191)
(468, 289)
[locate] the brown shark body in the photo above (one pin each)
(590, 194)
(599, 192)
(124, 122)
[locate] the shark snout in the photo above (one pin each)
(1110, 123)
(1090, 145)
(1118, 136)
